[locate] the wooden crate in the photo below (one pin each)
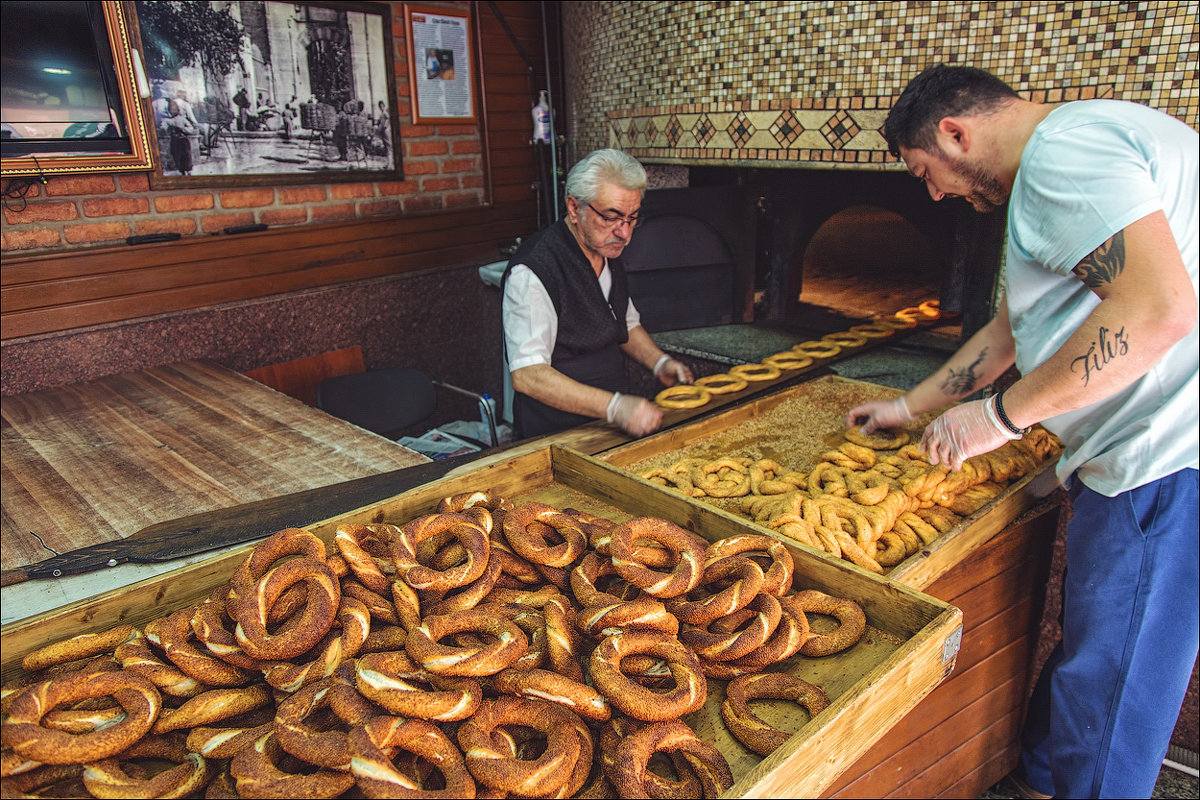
(832, 397)
(911, 643)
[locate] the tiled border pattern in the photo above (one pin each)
(829, 132)
(682, 72)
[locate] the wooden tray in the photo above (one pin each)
(754, 428)
(910, 645)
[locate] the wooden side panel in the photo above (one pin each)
(299, 378)
(964, 736)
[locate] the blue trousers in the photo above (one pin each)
(1107, 701)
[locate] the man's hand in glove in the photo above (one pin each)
(879, 414)
(671, 372)
(637, 416)
(964, 431)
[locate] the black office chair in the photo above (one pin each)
(385, 401)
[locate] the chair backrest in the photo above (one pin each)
(382, 401)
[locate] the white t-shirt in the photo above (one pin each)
(530, 322)
(1090, 169)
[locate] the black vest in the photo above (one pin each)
(590, 329)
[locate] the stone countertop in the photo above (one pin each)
(902, 363)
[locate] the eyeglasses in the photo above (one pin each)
(613, 220)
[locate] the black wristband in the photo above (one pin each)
(1004, 420)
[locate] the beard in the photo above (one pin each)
(986, 192)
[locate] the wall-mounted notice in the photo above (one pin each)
(440, 63)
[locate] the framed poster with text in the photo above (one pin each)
(441, 63)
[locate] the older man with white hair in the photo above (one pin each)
(568, 319)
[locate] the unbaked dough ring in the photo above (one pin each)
(788, 359)
(817, 349)
(874, 330)
(722, 383)
(846, 338)
(879, 440)
(755, 372)
(683, 395)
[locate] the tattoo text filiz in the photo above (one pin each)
(1108, 346)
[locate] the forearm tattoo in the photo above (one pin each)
(1100, 353)
(1104, 264)
(961, 382)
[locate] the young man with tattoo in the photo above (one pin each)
(1099, 317)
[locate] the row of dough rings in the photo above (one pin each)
(111, 778)
(722, 383)
(817, 349)
(777, 578)
(729, 584)
(755, 372)
(874, 330)
(688, 548)
(634, 753)
(751, 730)
(788, 360)
(734, 644)
(683, 395)
(25, 735)
(491, 764)
(522, 529)
(882, 439)
(846, 338)
(636, 701)
(376, 773)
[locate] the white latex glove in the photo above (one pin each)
(964, 431)
(879, 414)
(671, 372)
(637, 416)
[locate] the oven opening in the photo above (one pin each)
(862, 262)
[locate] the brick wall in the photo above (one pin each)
(442, 164)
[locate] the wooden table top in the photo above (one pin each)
(99, 461)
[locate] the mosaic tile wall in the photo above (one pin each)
(810, 82)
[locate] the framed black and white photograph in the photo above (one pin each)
(260, 92)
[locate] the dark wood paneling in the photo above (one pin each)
(963, 736)
(76, 288)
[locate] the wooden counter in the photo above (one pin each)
(99, 461)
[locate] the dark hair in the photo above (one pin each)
(941, 91)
